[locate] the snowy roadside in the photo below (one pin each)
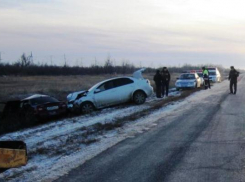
(54, 149)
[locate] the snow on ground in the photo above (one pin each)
(56, 148)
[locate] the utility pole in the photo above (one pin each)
(81, 62)
(65, 59)
(31, 58)
(51, 60)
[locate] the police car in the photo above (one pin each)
(188, 80)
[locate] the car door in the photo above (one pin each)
(124, 88)
(105, 94)
(198, 79)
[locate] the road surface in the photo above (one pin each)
(205, 142)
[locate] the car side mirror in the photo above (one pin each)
(97, 90)
(177, 78)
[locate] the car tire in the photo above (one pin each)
(139, 97)
(86, 108)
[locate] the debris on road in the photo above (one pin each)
(12, 154)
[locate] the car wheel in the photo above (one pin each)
(87, 107)
(139, 97)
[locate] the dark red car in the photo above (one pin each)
(37, 107)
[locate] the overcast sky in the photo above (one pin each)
(147, 32)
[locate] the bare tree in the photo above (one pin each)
(25, 61)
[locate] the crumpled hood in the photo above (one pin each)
(73, 96)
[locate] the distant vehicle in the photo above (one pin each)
(200, 74)
(188, 80)
(214, 74)
(37, 107)
(112, 92)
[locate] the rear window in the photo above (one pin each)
(212, 73)
(42, 100)
(187, 76)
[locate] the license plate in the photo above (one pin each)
(52, 108)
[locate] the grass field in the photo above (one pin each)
(57, 86)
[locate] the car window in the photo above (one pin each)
(187, 76)
(106, 86)
(212, 73)
(42, 100)
(122, 81)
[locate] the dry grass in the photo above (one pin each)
(58, 86)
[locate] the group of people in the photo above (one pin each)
(162, 79)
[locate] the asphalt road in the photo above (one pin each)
(205, 142)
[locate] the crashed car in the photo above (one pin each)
(111, 92)
(188, 80)
(38, 107)
(74, 96)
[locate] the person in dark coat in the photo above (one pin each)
(233, 75)
(205, 73)
(158, 81)
(165, 81)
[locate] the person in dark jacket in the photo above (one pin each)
(158, 81)
(205, 73)
(233, 75)
(165, 80)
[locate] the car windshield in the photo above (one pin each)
(187, 76)
(212, 73)
(95, 86)
(42, 100)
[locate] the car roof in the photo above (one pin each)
(35, 96)
(99, 83)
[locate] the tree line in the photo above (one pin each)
(26, 67)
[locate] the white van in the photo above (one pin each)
(214, 74)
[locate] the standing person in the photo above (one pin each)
(165, 80)
(233, 75)
(206, 77)
(158, 81)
